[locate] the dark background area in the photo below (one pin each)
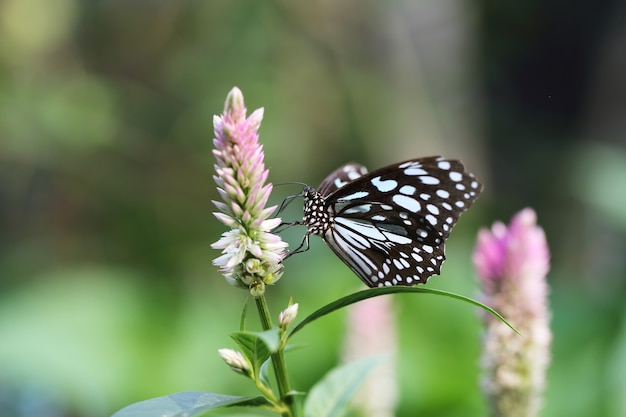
(107, 292)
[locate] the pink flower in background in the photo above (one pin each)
(251, 255)
(512, 263)
(371, 331)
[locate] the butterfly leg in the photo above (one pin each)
(284, 226)
(301, 248)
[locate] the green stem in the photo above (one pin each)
(278, 361)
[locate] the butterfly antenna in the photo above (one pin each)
(290, 198)
(286, 202)
(292, 183)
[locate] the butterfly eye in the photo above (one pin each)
(390, 226)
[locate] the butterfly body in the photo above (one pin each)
(389, 226)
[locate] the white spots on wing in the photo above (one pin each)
(442, 193)
(353, 172)
(433, 209)
(415, 170)
(455, 176)
(408, 189)
(353, 256)
(365, 229)
(363, 208)
(384, 186)
(358, 194)
(340, 183)
(444, 165)
(393, 237)
(391, 226)
(428, 180)
(357, 240)
(407, 203)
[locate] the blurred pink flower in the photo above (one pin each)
(512, 263)
(251, 255)
(371, 331)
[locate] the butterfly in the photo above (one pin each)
(390, 225)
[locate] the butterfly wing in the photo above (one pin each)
(389, 226)
(341, 177)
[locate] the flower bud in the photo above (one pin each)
(236, 361)
(287, 316)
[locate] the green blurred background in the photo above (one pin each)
(107, 292)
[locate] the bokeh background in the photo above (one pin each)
(107, 292)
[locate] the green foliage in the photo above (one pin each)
(330, 396)
(186, 404)
(257, 346)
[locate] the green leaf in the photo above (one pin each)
(264, 373)
(330, 396)
(374, 292)
(186, 404)
(257, 346)
(242, 319)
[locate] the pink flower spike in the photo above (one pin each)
(371, 331)
(251, 255)
(512, 263)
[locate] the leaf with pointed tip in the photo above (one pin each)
(187, 404)
(330, 396)
(374, 292)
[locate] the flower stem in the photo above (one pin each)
(278, 361)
